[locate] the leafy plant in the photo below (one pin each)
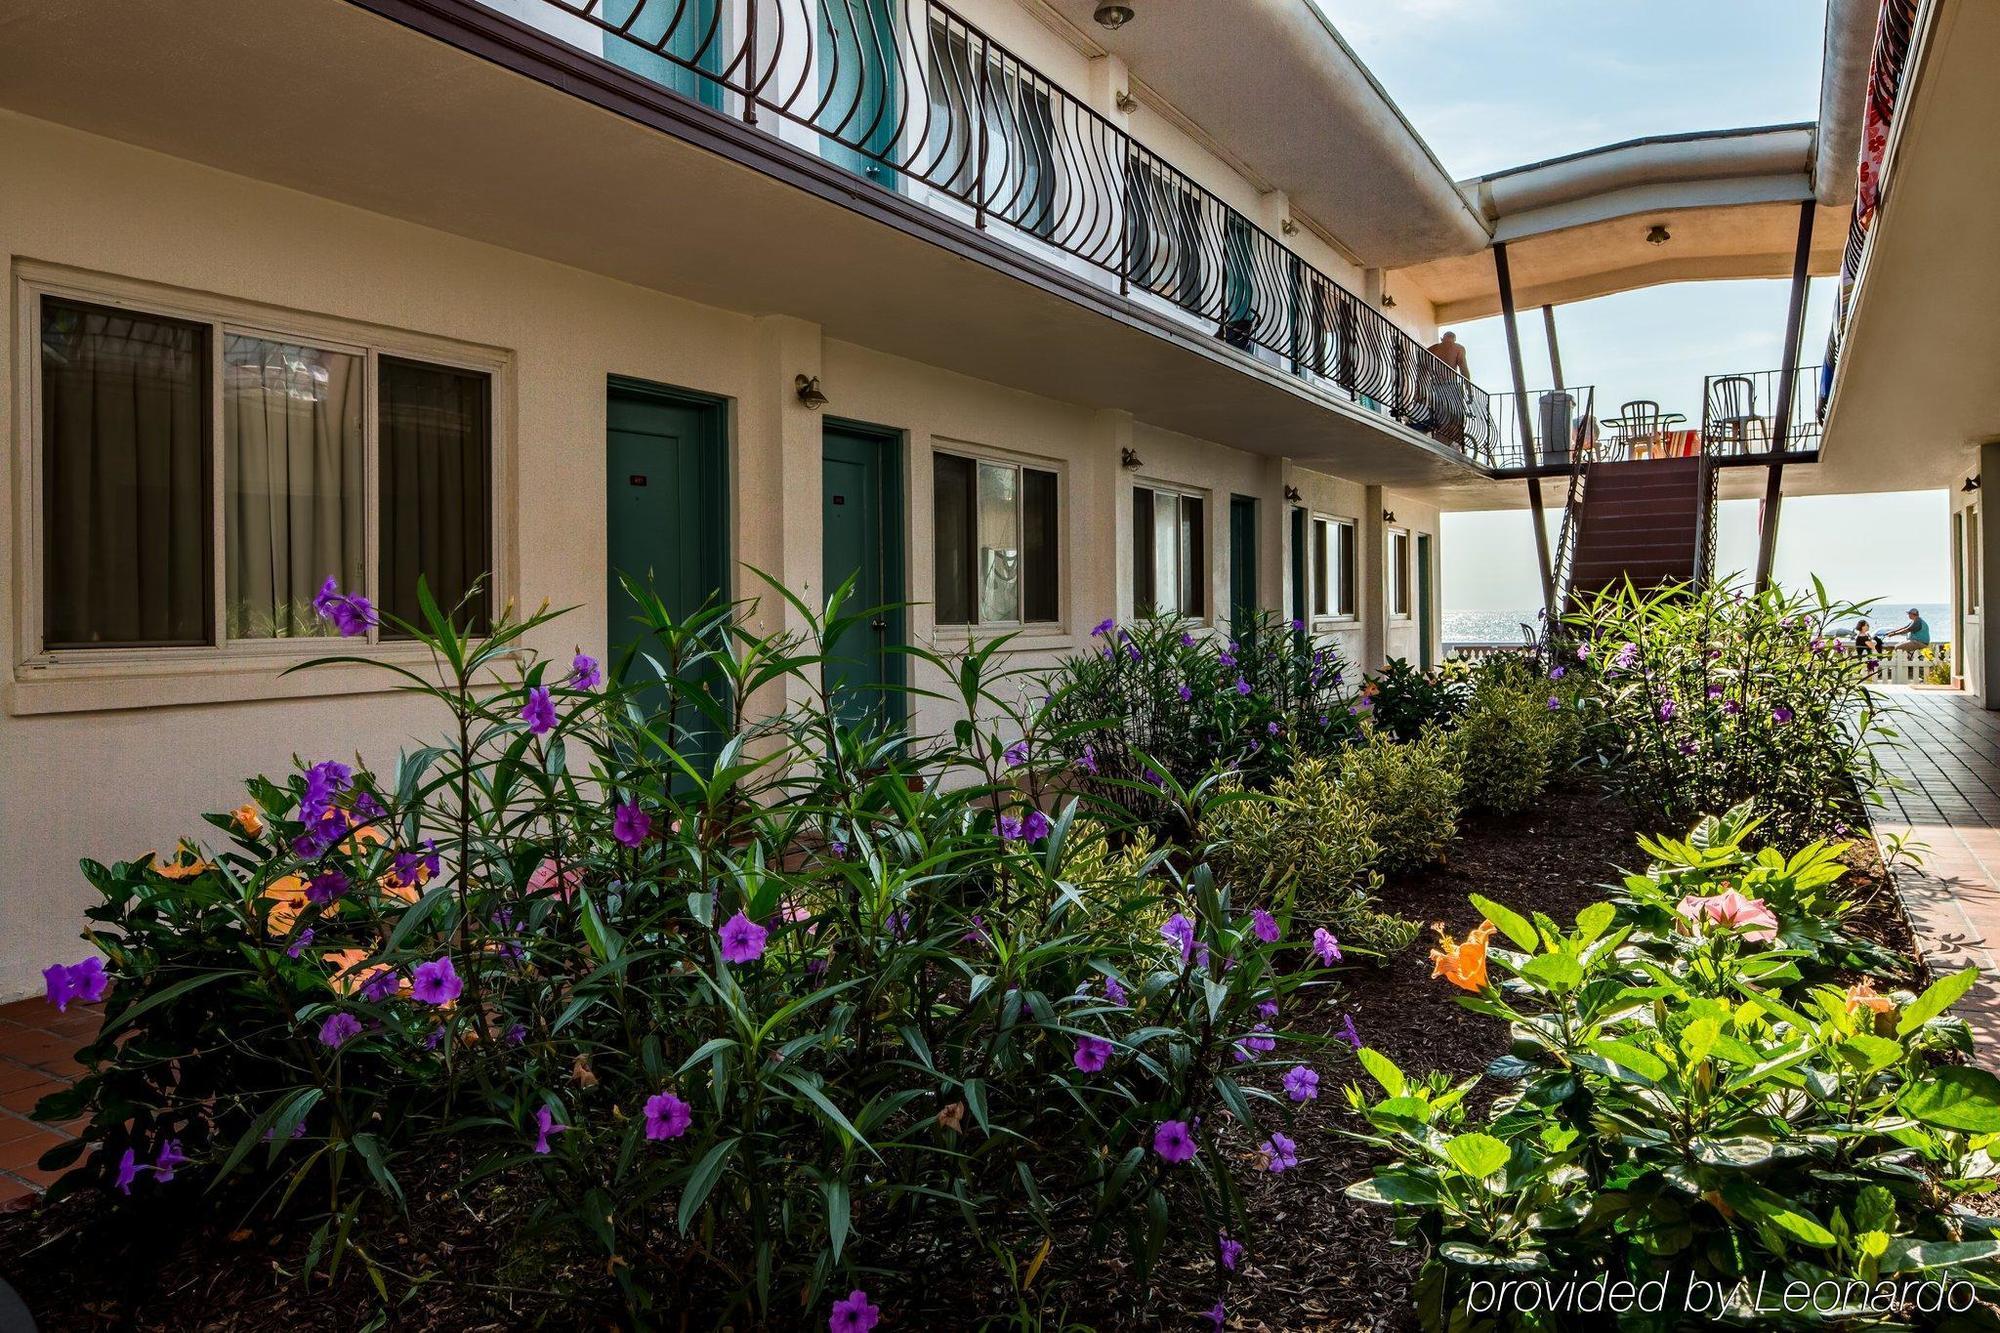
(1504, 748)
(1406, 701)
(1411, 794)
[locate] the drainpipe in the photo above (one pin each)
(1527, 424)
(1795, 313)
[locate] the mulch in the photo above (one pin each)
(1315, 1259)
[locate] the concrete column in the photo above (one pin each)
(1101, 486)
(1373, 539)
(1274, 537)
(1108, 78)
(1988, 556)
(776, 474)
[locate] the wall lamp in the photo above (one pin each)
(1127, 103)
(1388, 516)
(1292, 495)
(1388, 301)
(1971, 485)
(1658, 235)
(809, 394)
(1129, 460)
(1113, 17)
(1289, 227)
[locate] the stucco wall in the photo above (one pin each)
(110, 765)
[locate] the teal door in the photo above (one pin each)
(859, 87)
(861, 519)
(1299, 590)
(1424, 600)
(673, 45)
(665, 505)
(1242, 564)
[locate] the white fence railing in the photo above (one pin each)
(1902, 664)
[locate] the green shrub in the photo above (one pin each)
(1504, 748)
(1411, 793)
(732, 1007)
(1406, 701)
(1710, 699)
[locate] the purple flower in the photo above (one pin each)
(742, 940)
(1627, 657)
(1242, 686)
(1265, 925)
(1216, 1316)
(1187, 639)
(584, 673)
(436, 982)
(539, 712)
(434, 1038)
(1298, 626)
(1172, 1141)
(1347, 1032)
(1232, 1250)
(976, 933)
(898, 922)
(1583, 652)
(667, 1116)
(1092, 1054)
(1253, 1046)
(1087, 761)
(515, 1034)
(1038, 826)
(1687, 745)
(1012, 827)
(1181, 931)
(1016, 754)
(381, 986)
(1302, 1083)
(1731, 708)
(1555, 704)
(1271, 728)
(170, 1158)
(630, 824)
(351, 615)
(1326, 947)
(128, 1171)
(1781, 715)
(546, 1125)
(338, 1027)
(299, 945)
(1228, 656)
(1713, 692)
(1280, 1152)
(1268, 1009)
(84, 981)
(1103, 627)
(855, 1314)
(1186, 694)
(327, 885)
(367, 807)
(1667, 710)
(413, 868)
(1113, 991)
(1557, 673)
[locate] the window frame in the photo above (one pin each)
(1343, 579)
(1400, 594)
(223, 316)
(1204, 574)
(978, 457)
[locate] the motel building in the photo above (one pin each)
(1024, 313)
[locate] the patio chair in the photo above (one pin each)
(1732, 410)
(1640, 421)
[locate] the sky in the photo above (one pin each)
(1499, 83)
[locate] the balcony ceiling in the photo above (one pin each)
(329, 98)
(1280, 91)
(1917, 386)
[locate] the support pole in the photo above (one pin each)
(1781, 426)
(1527, 424)
(1555, 352)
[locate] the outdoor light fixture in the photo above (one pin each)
(1292, 494)
(1388, 516)
(1388, 301)
(1658, 235)
(1129, 459)
(1113, 17)
(1127, 103)
(809, 394)
(1971, 485)
(1289, 227)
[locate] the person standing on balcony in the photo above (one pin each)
(1445, 394)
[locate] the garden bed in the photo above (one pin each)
(1316, 1259)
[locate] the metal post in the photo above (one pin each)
(1527, 425)
(750, 80)
(979, 184)
(1781, 426)
(1555, 352)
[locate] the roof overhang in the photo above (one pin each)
(1582, 225)
(1269, 86)
(1916, 387)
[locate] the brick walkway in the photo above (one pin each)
(1948, 767)
(36, 1044)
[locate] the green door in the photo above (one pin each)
(861, 519)
(1424, 600)
(859, 87)
(665, 506)
(1242, 564)
(669, 44)
(1299, 590)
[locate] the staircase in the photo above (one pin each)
(1642, 520)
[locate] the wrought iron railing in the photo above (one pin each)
(1580, 454)
(1739, 418)
(909, 94)
(1560, 420)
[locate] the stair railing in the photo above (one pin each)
(1582, 448)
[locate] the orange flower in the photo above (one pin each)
(248, 818)
(186, 863)
(1864, 996)
(287, 897)
(362, 838)
(1463, 965)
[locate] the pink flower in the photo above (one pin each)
(548, 878)
(1733, 911)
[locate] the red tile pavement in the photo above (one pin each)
(1946, 797)
(37, 1046)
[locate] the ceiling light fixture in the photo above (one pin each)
(1659, 235)
(1113, 17)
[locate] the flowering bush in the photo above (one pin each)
(1407, 701)
(1411, 793)
(1685, 1106)
(736, 1000)
(1163, 702)
(1708, 699)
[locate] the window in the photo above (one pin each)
(1399, 573)
(1169, 554)
(308, 434)
(1164, 236)
(1333, 568)
(995, 542)
(1017, 120)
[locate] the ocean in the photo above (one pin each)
(1506, 626)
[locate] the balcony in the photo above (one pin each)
(909, 96)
